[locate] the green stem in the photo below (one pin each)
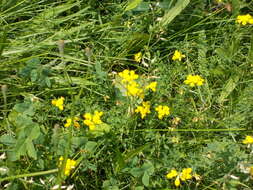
(29, 175)
(191, 130)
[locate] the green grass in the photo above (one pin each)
(75, 50)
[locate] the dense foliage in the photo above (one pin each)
(138, 94)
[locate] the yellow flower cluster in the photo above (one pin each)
(194, 80)
(128, 80)
(70, 165)
(248, 140)
(183, 176)
(69, 122)
(244, 19)
(152, 86)
(93, 120)
(177, 56)
(162, 111)
(144, 109)
(128, 76)
(137, 57)
(58, 102)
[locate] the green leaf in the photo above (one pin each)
(7, 139)
(25, 141)
(228, 88)
(101, 129)
(134, 152)
(25, 108)
(139, 188)
(148, 168)
(173, 12)
(31, 150)
(145, 179)
(90, 146)
(132, 4)
(74, 80)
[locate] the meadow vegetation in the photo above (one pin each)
(134, 94)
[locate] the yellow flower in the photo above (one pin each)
(183, 176)
(162, 111)
(171, 174)
(244, 19)
(177, 181)
(96, 118)
(74, 120)
(248, 140)
(70, 165)
(92, 120)
(58, 102)
(144, 109)
(152, 86)
(177, 56)
(251, 171)
(186, 174)
(128, 76)
(194, 80)
(134, 90)
(68, 122)
(137, 57)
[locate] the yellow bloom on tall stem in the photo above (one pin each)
(58, 102)
(177, 56)
(248, 140)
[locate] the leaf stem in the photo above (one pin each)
(29, 175)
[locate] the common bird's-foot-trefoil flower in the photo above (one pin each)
(128, 76)
(248, 140)
(58, 103)
(194, 80)
(130, 86)
(162, 111)
(138, 57)
(152, 86)
(73, 121)
(244, 19)
(186, 174)
(144, 109)
(70, 165)
(92, 120)
(177, 56)
(128, 80)
(133, 89)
